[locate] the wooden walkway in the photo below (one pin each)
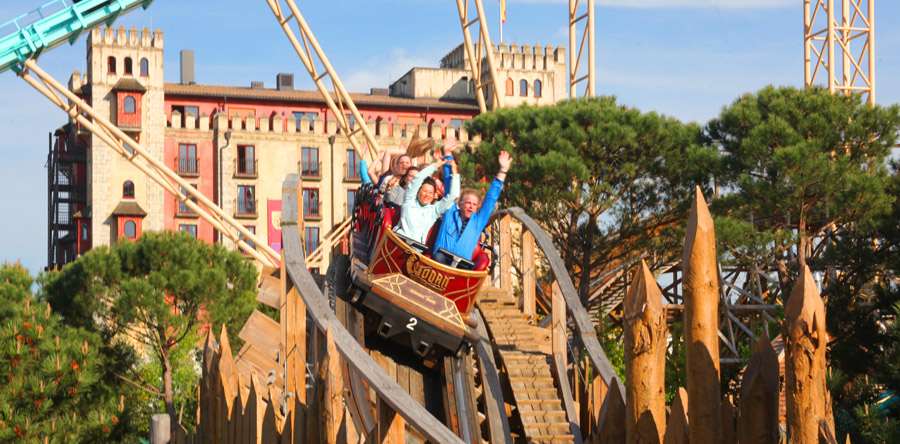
(527, 368)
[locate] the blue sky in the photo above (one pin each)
(683, 58)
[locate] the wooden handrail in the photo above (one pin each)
(386, 388)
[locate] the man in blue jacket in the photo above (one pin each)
(464, 222)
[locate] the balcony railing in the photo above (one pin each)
(310, 170)
(353, 172)
(187, 166)
(245, 208)
(311, 210)
(245, 168)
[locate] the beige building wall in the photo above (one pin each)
(106, 169)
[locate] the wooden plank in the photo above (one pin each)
(264, 333)
(269, 291)
(391, 426)
(528, 279)
(388, 391)
(334, 390)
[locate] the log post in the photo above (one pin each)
(678, 429)
(528, 273)
(701, 322)
(333, 413)
(645, 360)
(506, 252)
(758, 420)
(391, 426)
(804, 366)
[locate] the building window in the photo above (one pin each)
(128, 189)
(311, 202)
(111, 65)
(246, 161)
(523, 88)
(309, 162)
(246, 199)
(509, 87)
(353, 170)
(84, 231)
(187, 158)
(128, 70)
(129, 105)
(299, 115)
(351, 198)
(537, 88)
(189, 228)
(251, 229)
(182, 207)
(185, 110)
(312, 239)
(351, 120)
(130, 229)
(145, 67)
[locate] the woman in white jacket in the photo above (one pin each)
(419, 210)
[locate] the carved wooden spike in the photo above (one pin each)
(227, 370)
(701, 322)
(612, 416)
(804, 368)
(645, 352)
(728, 421)
(678, 428)
(758, 421)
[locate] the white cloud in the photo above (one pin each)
(668, 4)
(378, 72)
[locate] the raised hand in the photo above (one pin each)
(453, 167)
(450, 143)
(505, 161)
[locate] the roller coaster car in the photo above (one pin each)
(404, 294)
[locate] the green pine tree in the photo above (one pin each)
(608, 183)
(52, 385)
(150, 300)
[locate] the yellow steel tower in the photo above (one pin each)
(840, 42)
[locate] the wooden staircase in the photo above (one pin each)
(527, 367)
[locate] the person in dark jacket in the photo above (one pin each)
(463, 223)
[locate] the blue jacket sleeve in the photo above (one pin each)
(488, 204)
(365, 172)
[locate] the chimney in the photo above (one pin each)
(187, 67)
(257, 85)
(285, 82)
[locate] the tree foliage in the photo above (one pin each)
(795, 164)
(805, 181)
(604, 180)
(53, 384)
(149, 299)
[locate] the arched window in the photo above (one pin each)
(128, 69)
(537, 88)
(509, 87)
(111, 65)
(128, 189)
(130, 229)
(145, 67)
(523, 88)
(129, 104)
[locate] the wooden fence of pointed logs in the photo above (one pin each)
(240, 403)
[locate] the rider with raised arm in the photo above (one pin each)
(419, 210)
(464, 222)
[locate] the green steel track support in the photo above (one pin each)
(59, 21)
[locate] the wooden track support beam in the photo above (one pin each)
(587, 40)
(483, 50)
(309, 56)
